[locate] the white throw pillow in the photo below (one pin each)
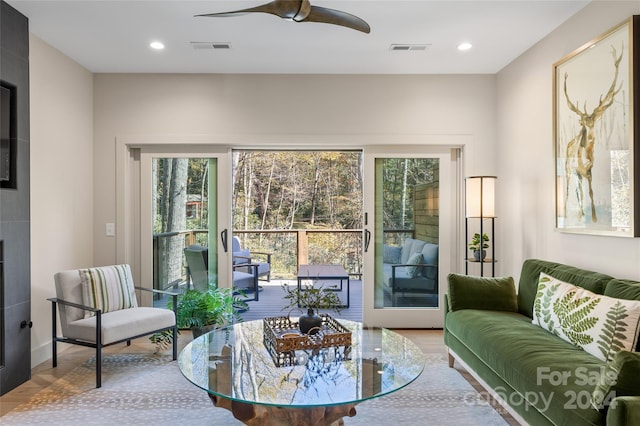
(414, 259)
(108, 288)
(599, 324)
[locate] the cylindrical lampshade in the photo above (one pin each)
(480, 196)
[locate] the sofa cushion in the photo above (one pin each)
(414, 259)
(409, 247)
(470, 292)
(547, 372)
(430, 254)
(620, 378)
(531, 268)
(623, 289)
(599, 324)
(108, 288)
(391, 254)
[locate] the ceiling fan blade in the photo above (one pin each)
(285, 9)
(337, 17)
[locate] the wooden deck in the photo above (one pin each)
(272, 302)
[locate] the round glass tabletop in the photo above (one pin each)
(234, 363)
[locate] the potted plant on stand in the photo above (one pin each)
(478, 245)
(202, 311)
(312, 299)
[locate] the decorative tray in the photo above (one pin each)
(282, 338)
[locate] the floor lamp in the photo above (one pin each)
(480, 206)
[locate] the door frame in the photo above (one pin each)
(127, 149)
(449, 246)
(134, 234)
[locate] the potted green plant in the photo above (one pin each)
(477, 244)
(202, 311)
(312, 298)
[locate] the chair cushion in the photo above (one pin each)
(108, 288)
(243, 280)
(122, 324)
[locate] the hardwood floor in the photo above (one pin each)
(69, 357)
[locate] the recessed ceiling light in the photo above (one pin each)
(465, 46)
(156, 45)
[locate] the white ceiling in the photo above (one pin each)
(114, 36)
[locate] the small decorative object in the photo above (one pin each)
(475, 244)
(313, 299)
(288, 347)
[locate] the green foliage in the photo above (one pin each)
(474, 245)
(294, 189)
(574, 319)
(545, 305)
(313, 297)
(216, 306)
(162, 340)
(613, 328)
(537, 304)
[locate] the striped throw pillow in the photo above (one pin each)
(108, 288)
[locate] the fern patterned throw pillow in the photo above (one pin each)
(600, 325)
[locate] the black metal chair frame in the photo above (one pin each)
(98, 343)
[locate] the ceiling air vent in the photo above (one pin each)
(199, 45)
(409, 47)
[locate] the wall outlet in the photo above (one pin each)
(110, 230)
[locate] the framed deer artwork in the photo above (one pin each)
(596, 138)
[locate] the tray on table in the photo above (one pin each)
(282, 338)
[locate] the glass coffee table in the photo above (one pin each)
(319, 386)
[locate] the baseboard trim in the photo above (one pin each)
(496, 397)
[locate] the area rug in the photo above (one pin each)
(149, 389)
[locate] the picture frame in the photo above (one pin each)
(596, 139)
(8, 136)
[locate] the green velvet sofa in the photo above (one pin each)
(538, 377)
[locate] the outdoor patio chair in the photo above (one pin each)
(241, 255)
(245, 275)
(98, 308)
(197, 266)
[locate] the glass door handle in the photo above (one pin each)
(367, 240)
(223, 238)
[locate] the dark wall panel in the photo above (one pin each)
(15, 338)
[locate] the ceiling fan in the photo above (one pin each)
(302, 11)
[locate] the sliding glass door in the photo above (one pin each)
(409, 225)
(183, 227)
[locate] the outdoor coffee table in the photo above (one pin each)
(324, 272)
(237, 371)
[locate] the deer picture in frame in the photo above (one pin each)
(596, 99)
(580, 157)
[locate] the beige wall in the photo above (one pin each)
(525, 154)
(61, 179)
(506, 119)
(260, 110)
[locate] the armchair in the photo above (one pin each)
(245, 275)
(241, 255)
(98, 308)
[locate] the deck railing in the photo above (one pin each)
(289, 248)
